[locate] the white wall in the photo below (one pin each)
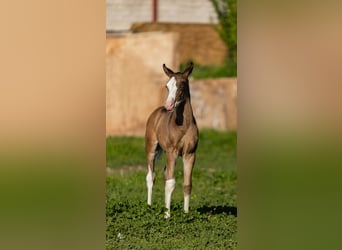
(186, 11)
(122, 13)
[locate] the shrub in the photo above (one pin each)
(226, 13)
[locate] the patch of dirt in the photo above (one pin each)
(125, 169)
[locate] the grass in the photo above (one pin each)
(228, 69)
(211, 222)
(125, 151)
(217, 149)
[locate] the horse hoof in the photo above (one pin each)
(167, 215)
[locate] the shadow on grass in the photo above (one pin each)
(218, 210)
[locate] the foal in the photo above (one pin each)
(172, 128)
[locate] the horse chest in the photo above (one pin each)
(178, 142)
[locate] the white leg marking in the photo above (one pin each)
(186, 203)
(169, 187)
(149, 183)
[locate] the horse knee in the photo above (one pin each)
(170, 185)
(187, 189)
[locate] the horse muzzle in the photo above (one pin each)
(169, 105)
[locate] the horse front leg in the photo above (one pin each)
(151, 146)
(188, 163)
(150, 177)
(170, 181)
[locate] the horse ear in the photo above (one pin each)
(188, 70)
(167, 71)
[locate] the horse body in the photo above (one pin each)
(172, 129)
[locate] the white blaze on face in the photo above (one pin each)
(172, 87)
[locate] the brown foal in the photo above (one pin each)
(172, 128)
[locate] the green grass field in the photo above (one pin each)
(212, 220)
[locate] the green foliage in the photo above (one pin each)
(228, 69)
(211, 222)
(226, 11)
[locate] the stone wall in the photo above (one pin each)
(214, 102)
(135, 78)
(135, 85)
(199, 43)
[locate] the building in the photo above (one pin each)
(122, 13)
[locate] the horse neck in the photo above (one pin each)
(184, 114)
